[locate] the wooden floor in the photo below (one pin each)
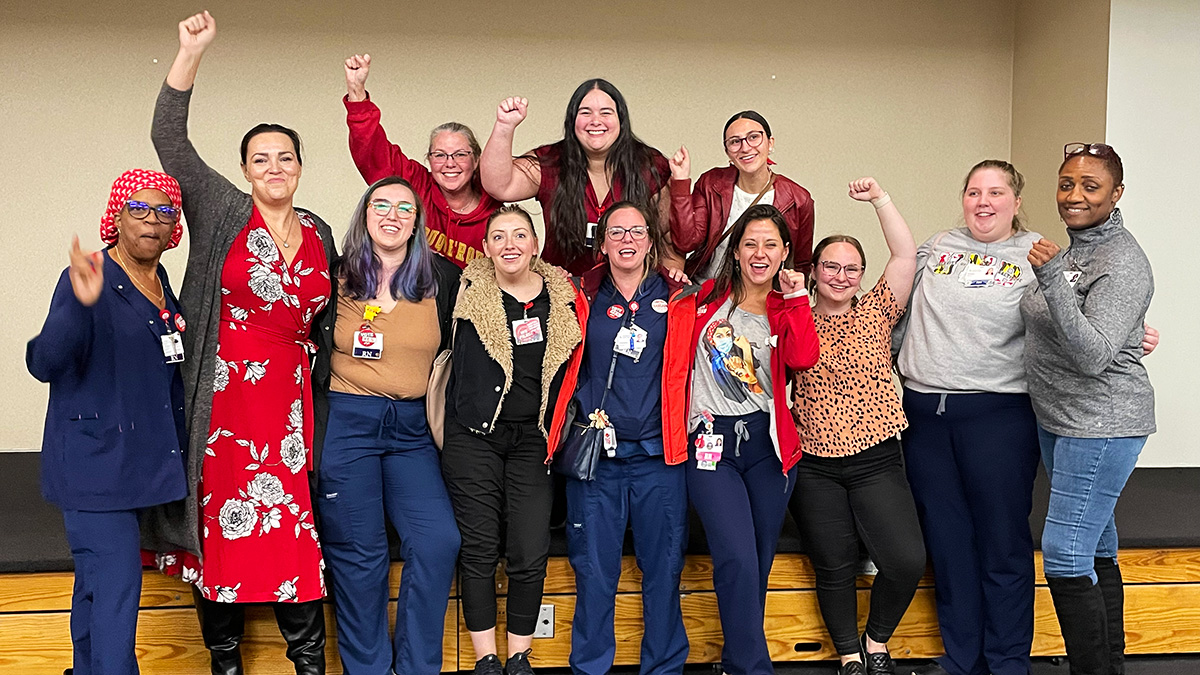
(1162, 615)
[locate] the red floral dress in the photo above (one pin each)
(258, 537)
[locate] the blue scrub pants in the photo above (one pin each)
(379, 458)
(971, 460)
(108, 589)
(742, 505)
(642, 488)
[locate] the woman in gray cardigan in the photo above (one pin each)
(256, 285)
(1092, 397)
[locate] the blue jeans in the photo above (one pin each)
(1086, 478)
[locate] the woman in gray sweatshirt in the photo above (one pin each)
(1092, 397)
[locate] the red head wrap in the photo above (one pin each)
(125, 186)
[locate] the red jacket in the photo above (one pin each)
(456, 236)
(699, 216)
(797, 347)
(677, 365)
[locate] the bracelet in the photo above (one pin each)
(880, 202)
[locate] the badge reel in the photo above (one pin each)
(709, 446)
(367, 343)
(172, 341)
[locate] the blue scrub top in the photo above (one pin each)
(635, 403)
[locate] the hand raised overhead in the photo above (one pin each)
(357, 69)
(865, 189)
(512, 111)
(196, 32)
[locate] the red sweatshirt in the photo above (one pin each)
(456, 236)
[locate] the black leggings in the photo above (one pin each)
(839, 499)
(499, 482)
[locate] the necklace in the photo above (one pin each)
(150, 294)
(290, 226)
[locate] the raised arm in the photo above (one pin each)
(797, 335)
(374, 155)
(66, 336)
(505, 177)
(902, 262)
(689, 212)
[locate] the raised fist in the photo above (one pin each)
(196, 32)
(681, 165)
(357, 68)
(512, 111)
(865, 189)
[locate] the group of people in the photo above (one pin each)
(261, 446)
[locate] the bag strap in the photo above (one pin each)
(612, 367)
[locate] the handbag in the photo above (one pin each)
(439, 378)
(582, 445)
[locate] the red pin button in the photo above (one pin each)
(616, 312)
(633, 307)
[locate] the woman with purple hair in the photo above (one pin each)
(393, 300)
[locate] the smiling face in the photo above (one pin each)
(144, 239)
(510, 243)
(451, 174)
(272, 167)
(745, 156)
(760, 253)
(596, 123)
(1087, 192)
(841, 286)
(627, 253)
(989, 205)
(391, 232)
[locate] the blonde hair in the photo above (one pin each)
(1015, 181)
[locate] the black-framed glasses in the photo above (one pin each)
(383, 207)
(1094, 149)
(164, 214)
(638, 232)
(833, 269)
(752, 140)
(458, 157)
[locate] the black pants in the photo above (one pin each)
(500, 482)
(838, 500)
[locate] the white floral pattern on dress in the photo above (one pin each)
(238, 518)
(267, 489)
(255, 370)
(227, 593)
(291, 448)
(287, 590)
(261, 245)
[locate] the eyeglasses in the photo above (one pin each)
(752, 140)
(638, 232)
(383, 207)
(162, 214)
(832, 269)
(1094, 149)
(458, 157)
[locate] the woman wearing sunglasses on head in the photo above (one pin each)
(114, 442)
(753, 329)
(1092, 396)
(702, 218)
(458, 207)
(515, 348)
(257, 282)
(852, 482)
(598, 162)
(393, 299)
(632, 382)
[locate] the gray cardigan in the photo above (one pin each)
(215, 212)
(1083, 341)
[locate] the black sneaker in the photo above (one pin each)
(518, 664)
(852, 668)
(489, 665)
(877, 664)
(930, 669)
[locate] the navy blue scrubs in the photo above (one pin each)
(636, 485)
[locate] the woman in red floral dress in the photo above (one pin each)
(257, 281)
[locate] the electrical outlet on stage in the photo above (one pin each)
(545, 622)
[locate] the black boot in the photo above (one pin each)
(303, 627)
(222, 625)
(1080, 607)
(1113, 589)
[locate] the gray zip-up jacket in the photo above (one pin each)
(1083, 336)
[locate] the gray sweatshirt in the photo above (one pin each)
(1084, 327)
(963, 331)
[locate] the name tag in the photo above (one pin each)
(172, 346)
(527, 331)
(709, 448)
(1072, 276)
(977, 276)
(367, 344)
(630, 341)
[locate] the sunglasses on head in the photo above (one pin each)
(1094, 149)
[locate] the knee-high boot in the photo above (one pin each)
(1113, 588)
(303, 627)
(1080, 607)
(222, 625)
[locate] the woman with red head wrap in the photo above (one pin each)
(114, 440)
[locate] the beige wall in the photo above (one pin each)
(1060, 82)
(912, 92)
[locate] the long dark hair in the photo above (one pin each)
(629, 161)
(361, 266)
(729, 278)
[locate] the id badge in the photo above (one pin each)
(591, 233)
(1009, 274)
(610, 441)
(630, 341)
(1072, 276)
(708, 451)
(977, 276)
(527, 331)
(367, 344)
(172, 346)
